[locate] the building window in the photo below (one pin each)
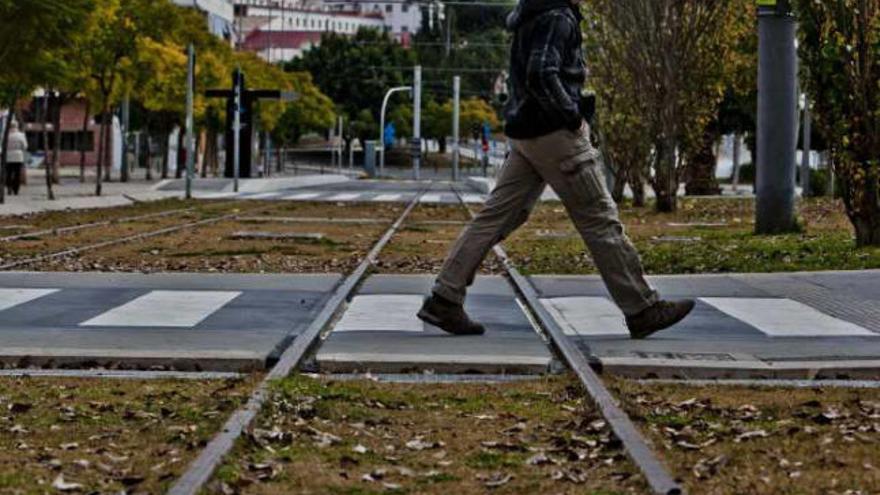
(389, 8)
(404, 8)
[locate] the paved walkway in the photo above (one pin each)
(776, 326)
(366, 191)
(174, 321)
(379, 333)
(820, 325)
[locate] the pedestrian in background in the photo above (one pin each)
(16, 151)
(550, 144)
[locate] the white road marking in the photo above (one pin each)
(382, 313)
(388, 197)
(301, 196)
(786, 318)
(587, 316)
(344, 197)
(473, 198)
(10, 298)
(165, 308)
(431, 198)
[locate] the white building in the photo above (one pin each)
(283, 29)
(220, 15)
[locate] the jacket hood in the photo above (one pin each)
(528, 9)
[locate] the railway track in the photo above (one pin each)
(201, 470)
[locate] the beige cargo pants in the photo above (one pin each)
(568, 162)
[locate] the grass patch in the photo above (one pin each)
(107, 435)
(704, 236)
(761, 440)
(320, 436)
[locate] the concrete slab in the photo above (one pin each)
(744, 326)
(379, 333)
(173, 321)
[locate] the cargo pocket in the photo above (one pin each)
(584, 172)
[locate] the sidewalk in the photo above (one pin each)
(71, 194)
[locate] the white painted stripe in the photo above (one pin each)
(431, 198)
(382, 313)
(786, 318)
(473, 198)
(587, 316)
(165, 308)
(10, 298)
(301, 196)
(388, 197)
(344, 197)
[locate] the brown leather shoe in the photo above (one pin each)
(449, 317)
(660, 316)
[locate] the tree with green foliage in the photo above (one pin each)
(840, 50)
(30, 32)
(356, 71)
(672, 56)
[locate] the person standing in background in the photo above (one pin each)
(16, 150)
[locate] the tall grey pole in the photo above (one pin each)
(808, 137)
(456, 126)
(736, 159)
(236, 130)
(190, 141)
(126, 123)
(777, 120)
(417, 122)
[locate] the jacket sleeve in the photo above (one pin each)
(552, 35)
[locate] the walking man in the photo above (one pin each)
(550, 144)
(16, 149)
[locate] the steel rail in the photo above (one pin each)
(126, 239)
(635, 445)
(202, 468)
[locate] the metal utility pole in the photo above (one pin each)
(382, 124)
(126, 122)
(340, 147)
(190, 139)
(806, 158)
(456, 126)
(777, 118)
(417, 122)
(236, 129)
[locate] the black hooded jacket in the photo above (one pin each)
(547, 70)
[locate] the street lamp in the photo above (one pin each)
(382, 125)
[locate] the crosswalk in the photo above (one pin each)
(350, 197)
(578, 316)
(774, 318)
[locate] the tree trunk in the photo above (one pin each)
(666, 178)
(163, 148)
(99, 175)
(866, 214)
(9, 117)
(44, 122)
(82, 141)
(637, 184)
(148, 153)
(701, 168)
(867, 229)
(56, 145)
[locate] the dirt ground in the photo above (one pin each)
(215, 248)
(762, 440)
(22, 224)
(423, 243)
(106, 436)
(705, 236)
(324, 437)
